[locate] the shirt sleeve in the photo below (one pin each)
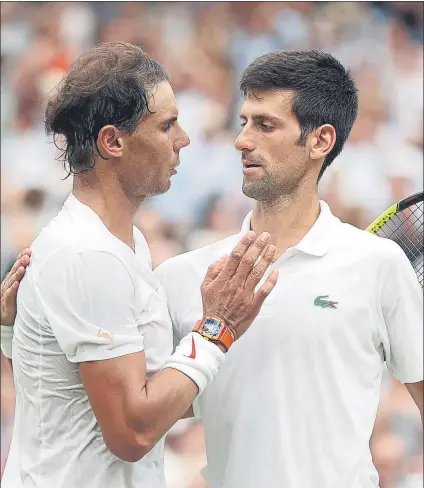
(88, 299)
(402, 305)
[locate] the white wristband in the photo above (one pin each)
(197, 358)
(6, 336)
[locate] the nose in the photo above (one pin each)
(183, 140)
(244, 142)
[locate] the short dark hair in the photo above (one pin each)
(108, 84)
(324, 91)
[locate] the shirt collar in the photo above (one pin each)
(317, 240)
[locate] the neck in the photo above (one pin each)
(110, 203)
(288, 220)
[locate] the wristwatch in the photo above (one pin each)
(215, 330)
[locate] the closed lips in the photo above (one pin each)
(248, 164)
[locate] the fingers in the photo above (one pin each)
(10, 285)
(11, 281)
(10, 292)
(237, 254)
(16, 277)
(265, 290)
(26, 251)
(8, 304)
(258, 271)
(250, 257)
(214, 270)
(21, 260)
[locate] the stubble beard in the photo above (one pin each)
(269, 189)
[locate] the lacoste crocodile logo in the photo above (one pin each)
(320, 302)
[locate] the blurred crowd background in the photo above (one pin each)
(205, 46)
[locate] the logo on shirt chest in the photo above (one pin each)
(321, 302)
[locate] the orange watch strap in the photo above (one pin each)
(226, 337)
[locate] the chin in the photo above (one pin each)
(163, 188)
(258, 191)
(250, 189)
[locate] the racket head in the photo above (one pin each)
(403, 223)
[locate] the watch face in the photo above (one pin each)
(211, 328)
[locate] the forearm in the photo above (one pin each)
(135, 411)
(166, 398)
(169, 394)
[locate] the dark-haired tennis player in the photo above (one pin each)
(92, 323)
(295, 402)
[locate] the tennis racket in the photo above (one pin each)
(403, 223)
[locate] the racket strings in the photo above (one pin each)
(407, 229)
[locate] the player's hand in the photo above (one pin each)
(228, 290)
(9, 287)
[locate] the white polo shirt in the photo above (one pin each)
(295, 402)
(85, 296)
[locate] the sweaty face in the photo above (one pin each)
(152, 151)
(274, 163)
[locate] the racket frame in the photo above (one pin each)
(396, 208)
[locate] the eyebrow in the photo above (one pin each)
(258, 117)
(169, 120)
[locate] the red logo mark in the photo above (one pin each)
(193, 349)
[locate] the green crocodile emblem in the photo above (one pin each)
(320, 302)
